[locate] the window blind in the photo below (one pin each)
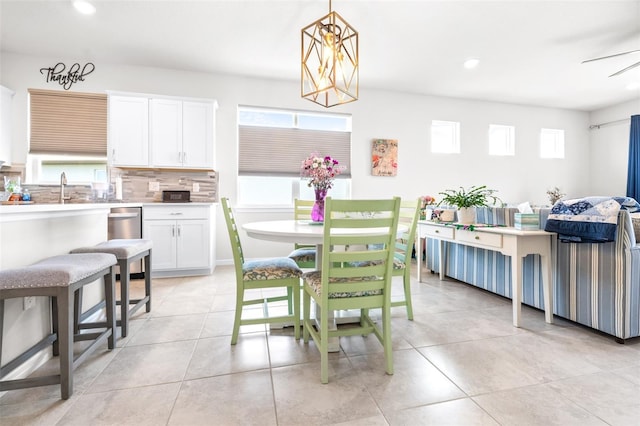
(67, 123)
(277, 151)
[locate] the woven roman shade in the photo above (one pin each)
(67, 123)
(277, 151)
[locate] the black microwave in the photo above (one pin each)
(176, 196)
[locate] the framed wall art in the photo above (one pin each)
(384, 157)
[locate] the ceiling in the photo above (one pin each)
(530, 51)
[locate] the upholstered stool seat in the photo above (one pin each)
(59, 277)
(126, 251)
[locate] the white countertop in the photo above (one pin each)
(39, 208)
(12, 213)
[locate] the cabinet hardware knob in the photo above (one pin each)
(477, 238)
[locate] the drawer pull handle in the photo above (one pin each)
(175, 214)
(477, 237)
(437, 232)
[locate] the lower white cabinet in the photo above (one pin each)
(183, 238)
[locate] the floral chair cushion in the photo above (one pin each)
(305, 255)
(270, 269)
(314, 279)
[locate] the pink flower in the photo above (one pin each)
(320, 170)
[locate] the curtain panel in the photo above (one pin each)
(633, 174)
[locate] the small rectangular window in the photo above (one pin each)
(445, 137)
(551, 143)
(501, 140)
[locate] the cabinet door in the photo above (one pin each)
(166, 133)
(163, 233)
(197, 134)
(128, 131)
(193, 243)
(6, 96)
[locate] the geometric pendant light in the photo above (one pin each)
(329, 74)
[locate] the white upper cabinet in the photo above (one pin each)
(198, 134)
(166, 132)
(178, 132)
(128, 131)
(6, 97)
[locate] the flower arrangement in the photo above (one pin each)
(321, 171)
(555, 195)
(426, 200)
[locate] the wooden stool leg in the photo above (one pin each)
(124, 296)
(1, 327)
(77, 309)
(65, 336)
(147, 279)
(54, 325)
(110, 302)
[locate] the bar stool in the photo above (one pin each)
(59, 277)
(126, 251)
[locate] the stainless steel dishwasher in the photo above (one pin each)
(126, 223)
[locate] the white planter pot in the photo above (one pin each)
(467, 215)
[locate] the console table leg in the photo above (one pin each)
(516, 288)
(441, 253)
(547, 288)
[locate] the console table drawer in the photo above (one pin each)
(436, 232)
(480, 238)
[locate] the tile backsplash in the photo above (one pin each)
(135, 185)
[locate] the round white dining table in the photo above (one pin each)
(286, 231)
(296, 231)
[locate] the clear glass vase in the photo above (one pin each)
(12, 184)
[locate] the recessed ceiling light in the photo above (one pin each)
(84, 7)
(633, 86)
(471, 63)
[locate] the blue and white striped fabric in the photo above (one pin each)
(597, 285)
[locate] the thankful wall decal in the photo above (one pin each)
(59, 74)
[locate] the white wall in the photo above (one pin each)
(377, 114)
(609, 155)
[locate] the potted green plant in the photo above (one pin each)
(466, 200)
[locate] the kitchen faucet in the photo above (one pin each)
(63, 182)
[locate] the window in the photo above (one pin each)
(445, 137)
(272, 145)
(501, 140)
(551, 143)
(46, 169)
(67, 132)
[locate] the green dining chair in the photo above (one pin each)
(364, 286)
(262, 274)
(304, 255)
(409, 216)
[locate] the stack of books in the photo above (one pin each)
(527, 221)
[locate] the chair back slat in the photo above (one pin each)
(234, 236)
(409, 216)
(302, 209)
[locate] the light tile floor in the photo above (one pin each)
(460, 362)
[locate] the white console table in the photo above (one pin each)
(509, 241)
